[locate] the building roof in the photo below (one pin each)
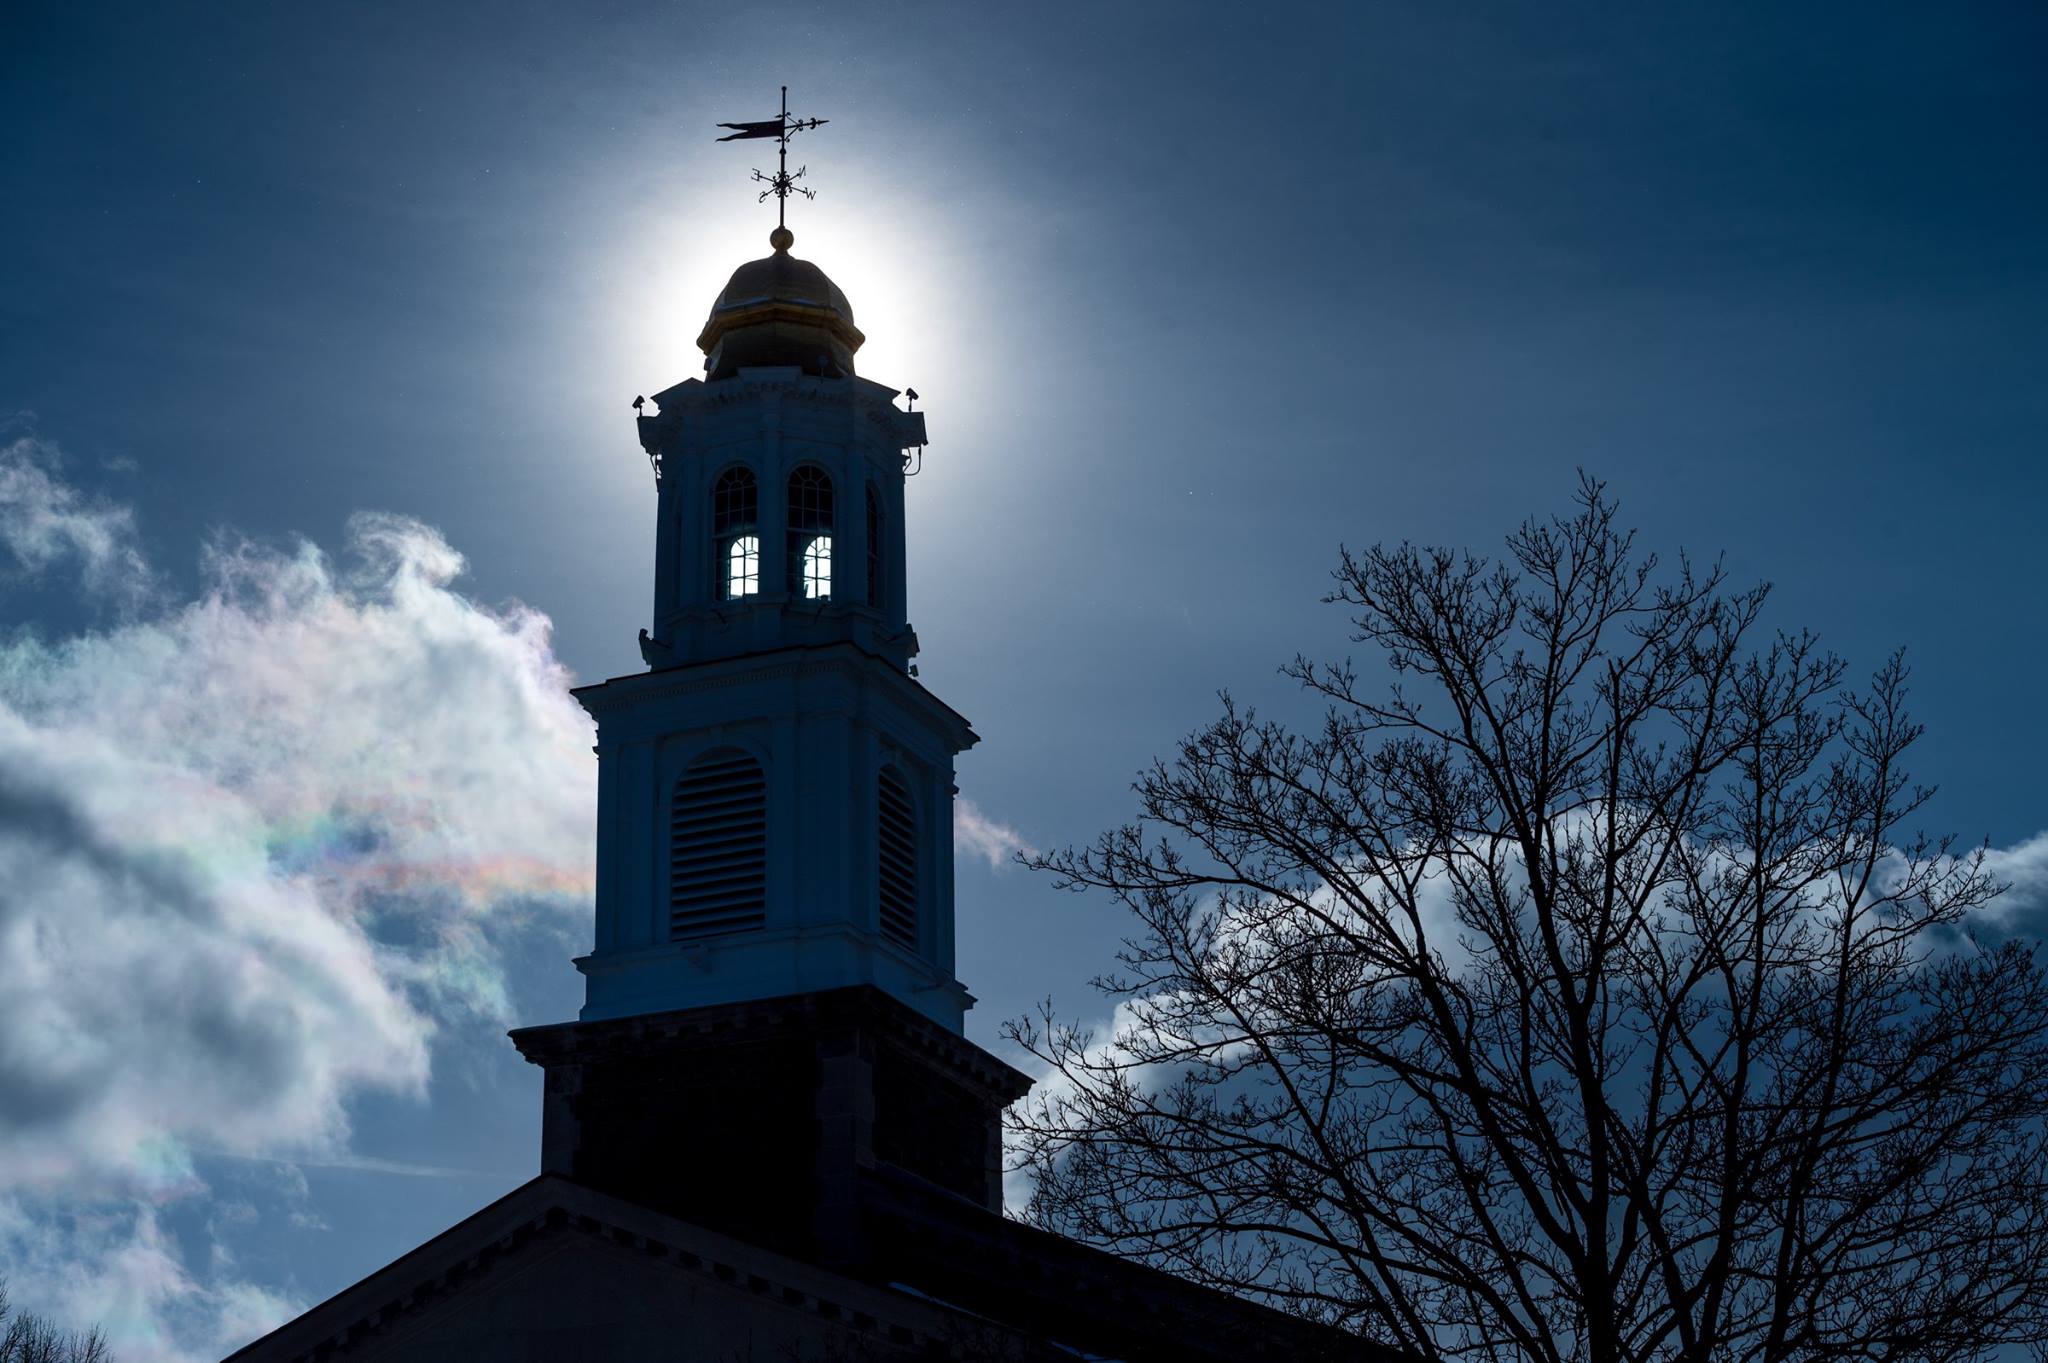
(1077, 1296)
(559, 1270)
(514, 1280)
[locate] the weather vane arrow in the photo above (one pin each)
(783, 182)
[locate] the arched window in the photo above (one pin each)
(810, 533)
(718, 847)
(736, 534)
(874, 548)
(896, 859)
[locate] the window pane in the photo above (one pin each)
(734, 503)
(735, 507)
(818, 567)
(810, 532)
(743, 567)
(810, 499)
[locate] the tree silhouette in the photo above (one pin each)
(1575, 992)
(28, 1338)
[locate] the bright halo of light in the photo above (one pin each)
(910, 269)
(905, 287)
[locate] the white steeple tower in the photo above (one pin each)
(771, 1032)
(775, 791)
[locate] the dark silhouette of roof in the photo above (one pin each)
(515, 1280)
(957, 1283)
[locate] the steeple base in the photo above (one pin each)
(758, 1118)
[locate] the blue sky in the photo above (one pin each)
(1193, 294)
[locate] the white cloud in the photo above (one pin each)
(977, 835)
(115, 1266)
(255, 848)
(2023, 868)
(252, 847)
(248, 1312)
(46, 522)
(1050, 1087)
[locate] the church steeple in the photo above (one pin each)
(775, 808)
(770, 1011)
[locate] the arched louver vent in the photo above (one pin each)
(897, 862)
(718, 847)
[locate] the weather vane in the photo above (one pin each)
(782, 183)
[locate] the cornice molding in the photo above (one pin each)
(793, 386)
(860, 1007)
(619, 694)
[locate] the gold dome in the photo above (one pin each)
(780, 311)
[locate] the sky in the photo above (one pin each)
(319, 329)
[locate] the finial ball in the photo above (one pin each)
(782, 238)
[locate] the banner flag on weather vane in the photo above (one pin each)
(771, 128)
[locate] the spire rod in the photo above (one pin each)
(783, 182)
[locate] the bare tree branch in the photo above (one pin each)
(1582, 995)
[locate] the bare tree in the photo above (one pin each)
(1575, 992)
(28, 1338)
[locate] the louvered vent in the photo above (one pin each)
(718, 847)
(898, 859)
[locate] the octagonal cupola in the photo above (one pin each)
(781, 475)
